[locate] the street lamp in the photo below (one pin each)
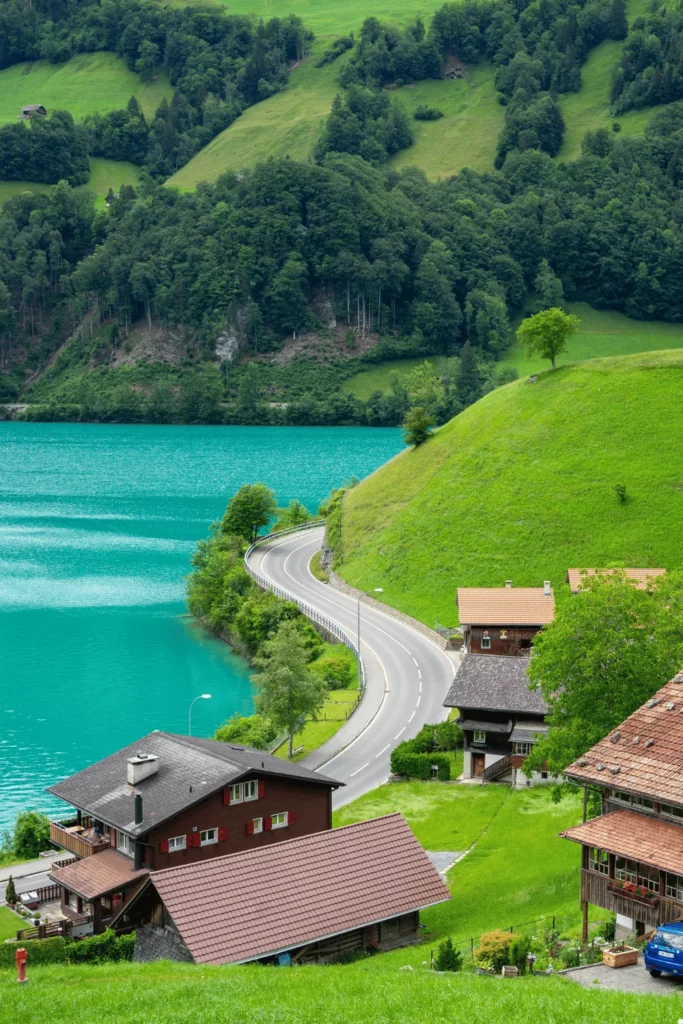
(202, 696)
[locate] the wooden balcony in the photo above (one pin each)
(78, 839)
(601, 891)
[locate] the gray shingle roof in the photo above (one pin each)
(494, 683)
(189, 770)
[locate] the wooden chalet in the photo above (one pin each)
(33, 110)
(169, 801)
(501, 718)
(632, 854)
(503, 620)
(312, 899)
(644, 579)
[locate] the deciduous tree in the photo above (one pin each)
(249, 511)
(546, 333)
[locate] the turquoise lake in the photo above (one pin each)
(97, 527)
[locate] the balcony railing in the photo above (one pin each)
(78, 839)
(629, 894)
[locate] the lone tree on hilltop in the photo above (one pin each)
(251, 508)
(417, 426)
(286, 689)
(546, 334)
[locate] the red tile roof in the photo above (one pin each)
(644, 755)
(94, 876)
(505, 606)
(637, 836)
(248, 905)
(644, 577)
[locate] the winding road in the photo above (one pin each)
(407, 675)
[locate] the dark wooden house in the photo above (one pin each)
(501, 718)
(503, 620)
(33, 110)
(312, 899)
(168, 801)
(632, 854)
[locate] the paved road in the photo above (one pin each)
(407, 676)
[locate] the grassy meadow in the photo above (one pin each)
(104, 174)
(521, 486)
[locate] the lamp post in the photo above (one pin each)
(202, 696)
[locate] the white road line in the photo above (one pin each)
(358, 770)
(419, 674)
(420, 686)
(411, 717)
(414, 659)
(399, 733)
(383, 749)
(418, 701)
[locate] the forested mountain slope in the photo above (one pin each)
(521, 486)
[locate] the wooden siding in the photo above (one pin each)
(515, 641)
(595, 889)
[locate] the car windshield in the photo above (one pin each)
(673, 940)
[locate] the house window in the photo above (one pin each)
(639, 801)
(479, 736)
(648, 877)
(279, 820)
(544, 775)
(674, 887)
(117, 900)
(258, 825)
(623, 798)
(671, 811)
(521, 748)
(485, 643)
(599, 861)
(236, 793)
(251, 790)
(124, 844)
(625, 870)
(178, 843)
(208, 836)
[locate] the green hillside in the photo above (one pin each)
(521, 486)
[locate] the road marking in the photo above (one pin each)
(383, 749)
(420, 686)
(419, 674)
(399, 733)
(412, 717)
(358, 770)
(414, 659)
(418, 701)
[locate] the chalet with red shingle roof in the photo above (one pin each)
(503, 620)
(632, 855)
(311, 899)
(644, 579)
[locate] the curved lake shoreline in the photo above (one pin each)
(97, 527)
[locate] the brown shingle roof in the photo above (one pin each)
(646, 750)
(644, 577)
(94, 876)
(633, 835)
(505, 606)
(248, 905)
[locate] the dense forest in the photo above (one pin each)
(219, 64)
(44, 149)
(651, 66)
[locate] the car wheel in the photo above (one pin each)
(654, 973)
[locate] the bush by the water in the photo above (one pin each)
(250, 730)
(29, 837)
(95, 949)
(425, 113)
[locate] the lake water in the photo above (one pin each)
(97, 526)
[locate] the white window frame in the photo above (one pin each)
(207, 841)
(628, 872)
(257, 824)
(599, 861)
(276, 823)
(674, 887)
(486, 643)
(177, 843)
(250, 790)
(516, 748)
(479, 736)
(124, 844)
(236, 793)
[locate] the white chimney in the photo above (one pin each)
(508, 584)
(546, 588)
(141, 767)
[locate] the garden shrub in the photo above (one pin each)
(251, 730)
(336, 669)
(447, 957)
(96, 949)
(494, 949)
(419, 766)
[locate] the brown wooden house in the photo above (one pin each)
(33, 110)
(643, 578)
(311, 899)
(632, 854)
(503, 620)
(169, 801)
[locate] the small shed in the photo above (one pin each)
(33, 110)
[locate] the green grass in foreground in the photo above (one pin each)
(9, 923)
(89, 83)
(521, 486)
(175, 993)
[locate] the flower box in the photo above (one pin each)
(620, 956)
(637, 893)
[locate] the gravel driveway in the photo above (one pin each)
(625, 979)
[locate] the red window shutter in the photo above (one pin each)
(222, 835)
(196, 839)
(250, 828)
(291, 818)
(112, 838)
(163, 846)
(268, 823)
(261, 789)
(226, 796)
(189, 840)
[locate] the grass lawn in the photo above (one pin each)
(9, 923)
(89, 83)
(104, 174)
(521, 486)
(335, 711)
(602, 333)
(379, 376)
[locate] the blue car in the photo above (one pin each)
(664, 951)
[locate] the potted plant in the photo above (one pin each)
(620, 955)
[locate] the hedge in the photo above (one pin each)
(419, 766)
(96, 949)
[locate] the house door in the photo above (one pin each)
(478, 765)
